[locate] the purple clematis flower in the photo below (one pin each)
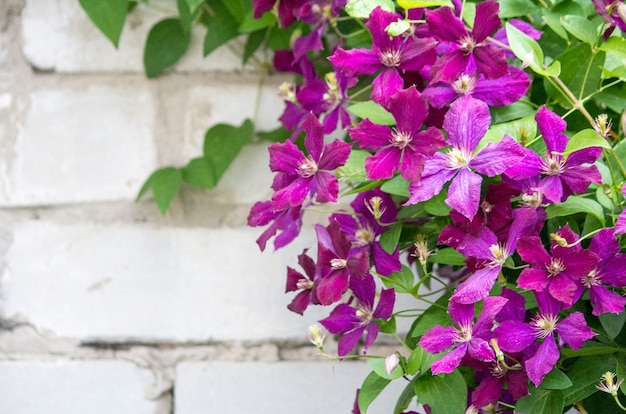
(300, 175)
(391, 54)
(559, 275)
(404, 147)
(285, 9)
(489, 255)
(338, 263)
(353, 321)
(467, 49)
(316, 13)
(610, 271)
(466, 123)
(612, 12)
(288, 222)
(305, 284)
(562, 176)
(372, 208)
(516, 336)
(469, 339)
(502, 91)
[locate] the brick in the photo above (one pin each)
(116, 283)
(73, 387)
(81, 144)
(266, 388)
(58, 36)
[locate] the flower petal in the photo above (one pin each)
(464, 193)
(543, 361)
(438, 339)
(477, 286)
(450, 361)
(466, 122)
(573, 330)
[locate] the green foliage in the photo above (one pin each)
(445, 394)
(372, 111)
(108, 16)
(222, 26)
(371, 388)
(541, 401)
(167, 43)
(164, 184)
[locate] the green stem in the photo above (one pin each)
(408, 348)
(617, 401)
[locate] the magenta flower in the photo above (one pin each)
(560, 274)
(300, 175)
(353, 321)
(502, 91)
(489, 254)
(611, 271)
(468, 339)
(562, 176)
(338, 264)
(516, 336)
(305, 284)
(404, 147)
(285, 8)
(391, 54)
(613, 12)
(364, 229)
(466, 123)
(288, 222)
(467, 49)
(316, 13)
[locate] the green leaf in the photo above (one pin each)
(555, 380)
(585, 374)
(553, 20)
(361, 9)
(574, 205)
(586, 138)
(515, 8)
(397, 186)
(614, 45)
(402, 281)
(372, 111)
(164, 184)
(445, 394)
(386, 326)
(621, 371)
(186, 16)
(353, 170)
(397, 28)
(378, 365)
(167, 43)
(590, 349)
(222, 26)
(415, 360)
(541, 401)
(250, 24)
(512, 112)
(416, 4)
(194, 5)
(389, 239)
(447, 256)
(108, 16)
(433, 316)
(612, 323)
(525, 48)
(371, 388)
(255, 40)
(580, 28)
(405, 398)
(199, 172)
(222, 144)
(237, 8)
(437, 205)
(522, 130)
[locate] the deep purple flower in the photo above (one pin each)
(300, 175)
(558, 274)
(467, 49)
(516, 336)
(489, 255)
(338, 263)
(610, 271)
(353, 321)
(612, 12)
(404, 147)
(466, 123)
(562, 176)
(285, 9)
(305, 284)
(469, 338)
(316, 13)
(372, 209)
(288, 222)
(391, 54)
(502, 91)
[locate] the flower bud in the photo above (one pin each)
(558, 239)
(316, 336)
(391, 362)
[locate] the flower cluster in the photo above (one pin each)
(471, 165)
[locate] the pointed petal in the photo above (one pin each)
(300, 302)
(384, 262)
(477, 286)
(486, 20)
(335, 155)
(488, 391)
(491, 307)
(496, 158)
(444, 25)
(429, 186)
(386, 84)
(292, 195)
(369, 135)
(365, 291)
(314, 139)
(449, 66)
(378, 21)
(409, 109)
(481, 350)
(605, 244)
(412, 165)
(460, 313)
(490, 61)
(573, 330)
(383, 164)
(372, 332)
(355, 62)
(533, 279)
(563, 289)
(504, 90)
(604, 301)
(326, 187)
(349, 341)
(438, 339)
(464, 193)
(552, 128)
(552, 188)
(440, 96)
(466, 122)
(417, 53)
(543, 361)
(531, 250)
(332, 287)
(342, 319)
(514, 336)
(384, 309)
(578, 178)
(285, 157)
(450, 361)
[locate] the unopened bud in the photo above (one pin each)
(528, 59)
(421, 249)
(558, 239)
(316, 336)
(497, 350)
(391, 362)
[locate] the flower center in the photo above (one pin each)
(592, 279)
(287, 91)
(555, 267)
(463, 335)
(544, 325)
(532, 200)
(498, 255)
(338, 264)
(467, 44)
(304, 284)
(464, 84)
(364, 313)
(458, 158)
(364, 236)
(333, 95)
(400, 139)
(390, 58)
(307, 168)
(552, 165)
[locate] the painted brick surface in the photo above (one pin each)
(284, 387)
(74, 387)
(75, 145)
(58, 36)
(149, 284)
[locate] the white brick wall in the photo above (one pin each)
(106, 306)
